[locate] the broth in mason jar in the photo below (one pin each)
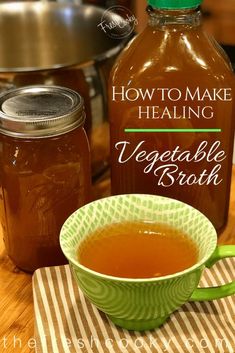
(45, 171)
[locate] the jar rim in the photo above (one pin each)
(40, 111)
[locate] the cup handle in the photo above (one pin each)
(207, 294)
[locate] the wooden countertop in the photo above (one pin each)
(16, 299)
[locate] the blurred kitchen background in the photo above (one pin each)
(58, 42)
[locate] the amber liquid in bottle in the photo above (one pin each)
(174, 52)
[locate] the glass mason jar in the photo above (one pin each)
(44, 170)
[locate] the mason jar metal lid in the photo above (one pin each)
(40, 111)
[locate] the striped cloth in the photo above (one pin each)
(67, 323)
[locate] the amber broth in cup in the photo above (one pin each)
(137, 250)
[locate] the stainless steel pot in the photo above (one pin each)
(59, 44)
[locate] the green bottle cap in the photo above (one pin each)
(174, 4)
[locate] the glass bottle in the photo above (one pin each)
(171, 112)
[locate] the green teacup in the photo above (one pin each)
(144, 304)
